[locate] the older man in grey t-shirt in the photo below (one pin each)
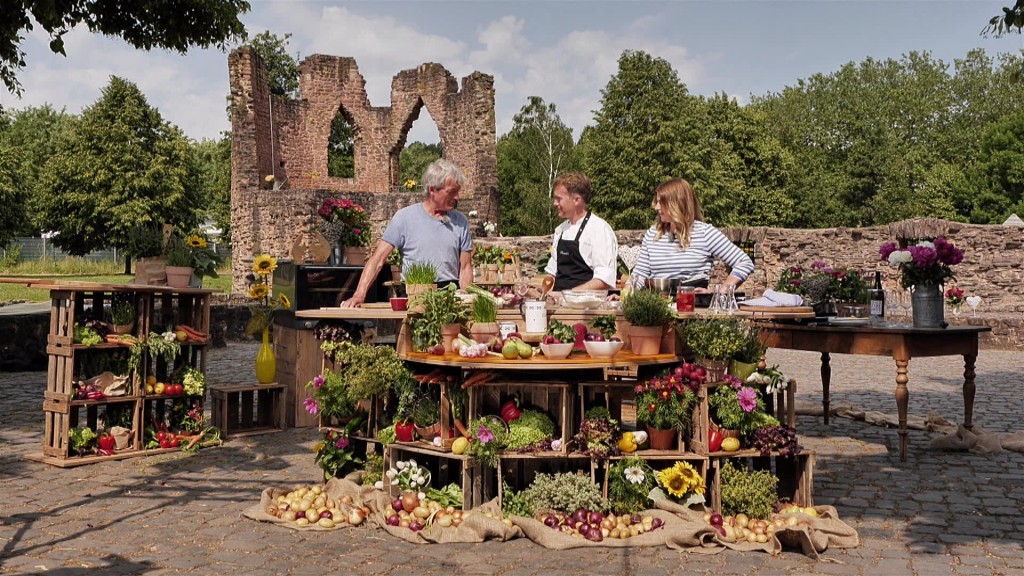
(430, 231)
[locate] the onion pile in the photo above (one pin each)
(595, 526)
(309, 506)
(415, 513)
(741, 528)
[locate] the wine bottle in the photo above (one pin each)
(876, 296)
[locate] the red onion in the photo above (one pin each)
(415, 525)
(551, 521)
(396, 504)
(716, 519)
(658, 523)
(596, 517)
(580, 515)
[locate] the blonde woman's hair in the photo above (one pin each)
(683, 207)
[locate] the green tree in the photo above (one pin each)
(639, 139)
(121, 166)
(1000, 172)
(415, 158)
(213, 162)
(531, 155)
(144, 24)
(282, 68)
(12, 194)
(33, 133)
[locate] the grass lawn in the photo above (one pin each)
(9, 292)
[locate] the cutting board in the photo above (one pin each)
(778, 309)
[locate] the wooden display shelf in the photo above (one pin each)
(783, 405)
(623, 359)
(248, 409)
(475, 480)
(551, 398)
(795, 474)
(701, 463)
(75, 461)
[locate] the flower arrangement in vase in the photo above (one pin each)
(823, 286)
(261, 308)
(924, 267)
(348, 223)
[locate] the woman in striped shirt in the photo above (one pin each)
(681, 245)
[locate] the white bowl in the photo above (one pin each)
(584, 299)
(556, 351)
(604, 349)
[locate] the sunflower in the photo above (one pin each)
(196, 241)
(259, 291)
(681, 479)
(284, 301)
(264, 264)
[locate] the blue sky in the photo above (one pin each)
(563, 51)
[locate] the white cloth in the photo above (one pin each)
(775, 299)
(598, 246)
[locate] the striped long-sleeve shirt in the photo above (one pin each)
(663, 258)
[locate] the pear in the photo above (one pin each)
(525, 350)
(510, 351)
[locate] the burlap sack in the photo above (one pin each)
(475, 527)
(979, 441)
(676, 530)
(336, 488)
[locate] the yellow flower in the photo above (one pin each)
(259, 291)
(264, 265)
(319, 446)
(284, 301)
(681, 479)
(409, 184)
(195, 241)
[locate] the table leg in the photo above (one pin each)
(826, 380)
(902, 401)
(969, 390)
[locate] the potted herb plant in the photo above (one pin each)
(179, 262)
(484, 312)
(420, 277)
(647, 314)
(745, 360)
(714, 341)
(441, 319)
(122, 315)
(426, 417)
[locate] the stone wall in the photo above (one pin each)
(287, 139)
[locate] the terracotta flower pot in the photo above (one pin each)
(645, 340)
(661, 439)
(178, 276)
(483, 331)
(449, 332)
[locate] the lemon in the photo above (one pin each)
(459, 445)
(731, 444)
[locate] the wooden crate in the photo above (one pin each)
(552, 398)
(783, 404)
(795, 474)
(248, 409)
(477, 481)
(519, 470)
(659, 460)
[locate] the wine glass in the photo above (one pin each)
(955, 309)
(973, 302)
(892, 303)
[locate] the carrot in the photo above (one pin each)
(195, 440)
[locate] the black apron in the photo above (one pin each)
(572, 268)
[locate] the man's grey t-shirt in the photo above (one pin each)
(422, 238)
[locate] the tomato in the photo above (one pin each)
(165, 443)
(161, 436)
(174, 442)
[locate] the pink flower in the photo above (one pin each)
(484, 435)
(318, 381)
(311, 406)
(733, 381)
(341, 443)
(747, 398)
(886, 249)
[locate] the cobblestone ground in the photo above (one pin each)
(937, 513)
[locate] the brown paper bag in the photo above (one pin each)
(151, 271)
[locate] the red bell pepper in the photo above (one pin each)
(715, 440)
(509, 411)
(404, 431)
(106, 442)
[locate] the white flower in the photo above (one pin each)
(169, 336)
(391, 473)
(490, 227)
(379, 485)
(635, 475)
(400, 465)
(900, 257)
(926, 244)
(473, 213)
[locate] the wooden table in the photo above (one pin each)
(901, 342)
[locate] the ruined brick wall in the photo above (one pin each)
(287, 139)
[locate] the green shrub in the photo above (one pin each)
(646, 308)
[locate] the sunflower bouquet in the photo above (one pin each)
(262, 304)
(204, 259)
(680, 483)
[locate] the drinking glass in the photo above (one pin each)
(906, 302)
(716, 300)
(892, 304)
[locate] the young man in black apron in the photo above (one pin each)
(584, 249)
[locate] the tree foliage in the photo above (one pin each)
(122, 165)
(282, 68)
(144, 24)
(12, 194)
(31, 135)
(415, 158)
(531, 155)
(212, 159)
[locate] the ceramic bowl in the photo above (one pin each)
(603, 349)
(556, 351)
(584, 299)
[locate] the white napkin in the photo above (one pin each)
(772, 298)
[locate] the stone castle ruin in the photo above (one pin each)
(286, 139)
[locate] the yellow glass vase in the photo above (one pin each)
(266, 362)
